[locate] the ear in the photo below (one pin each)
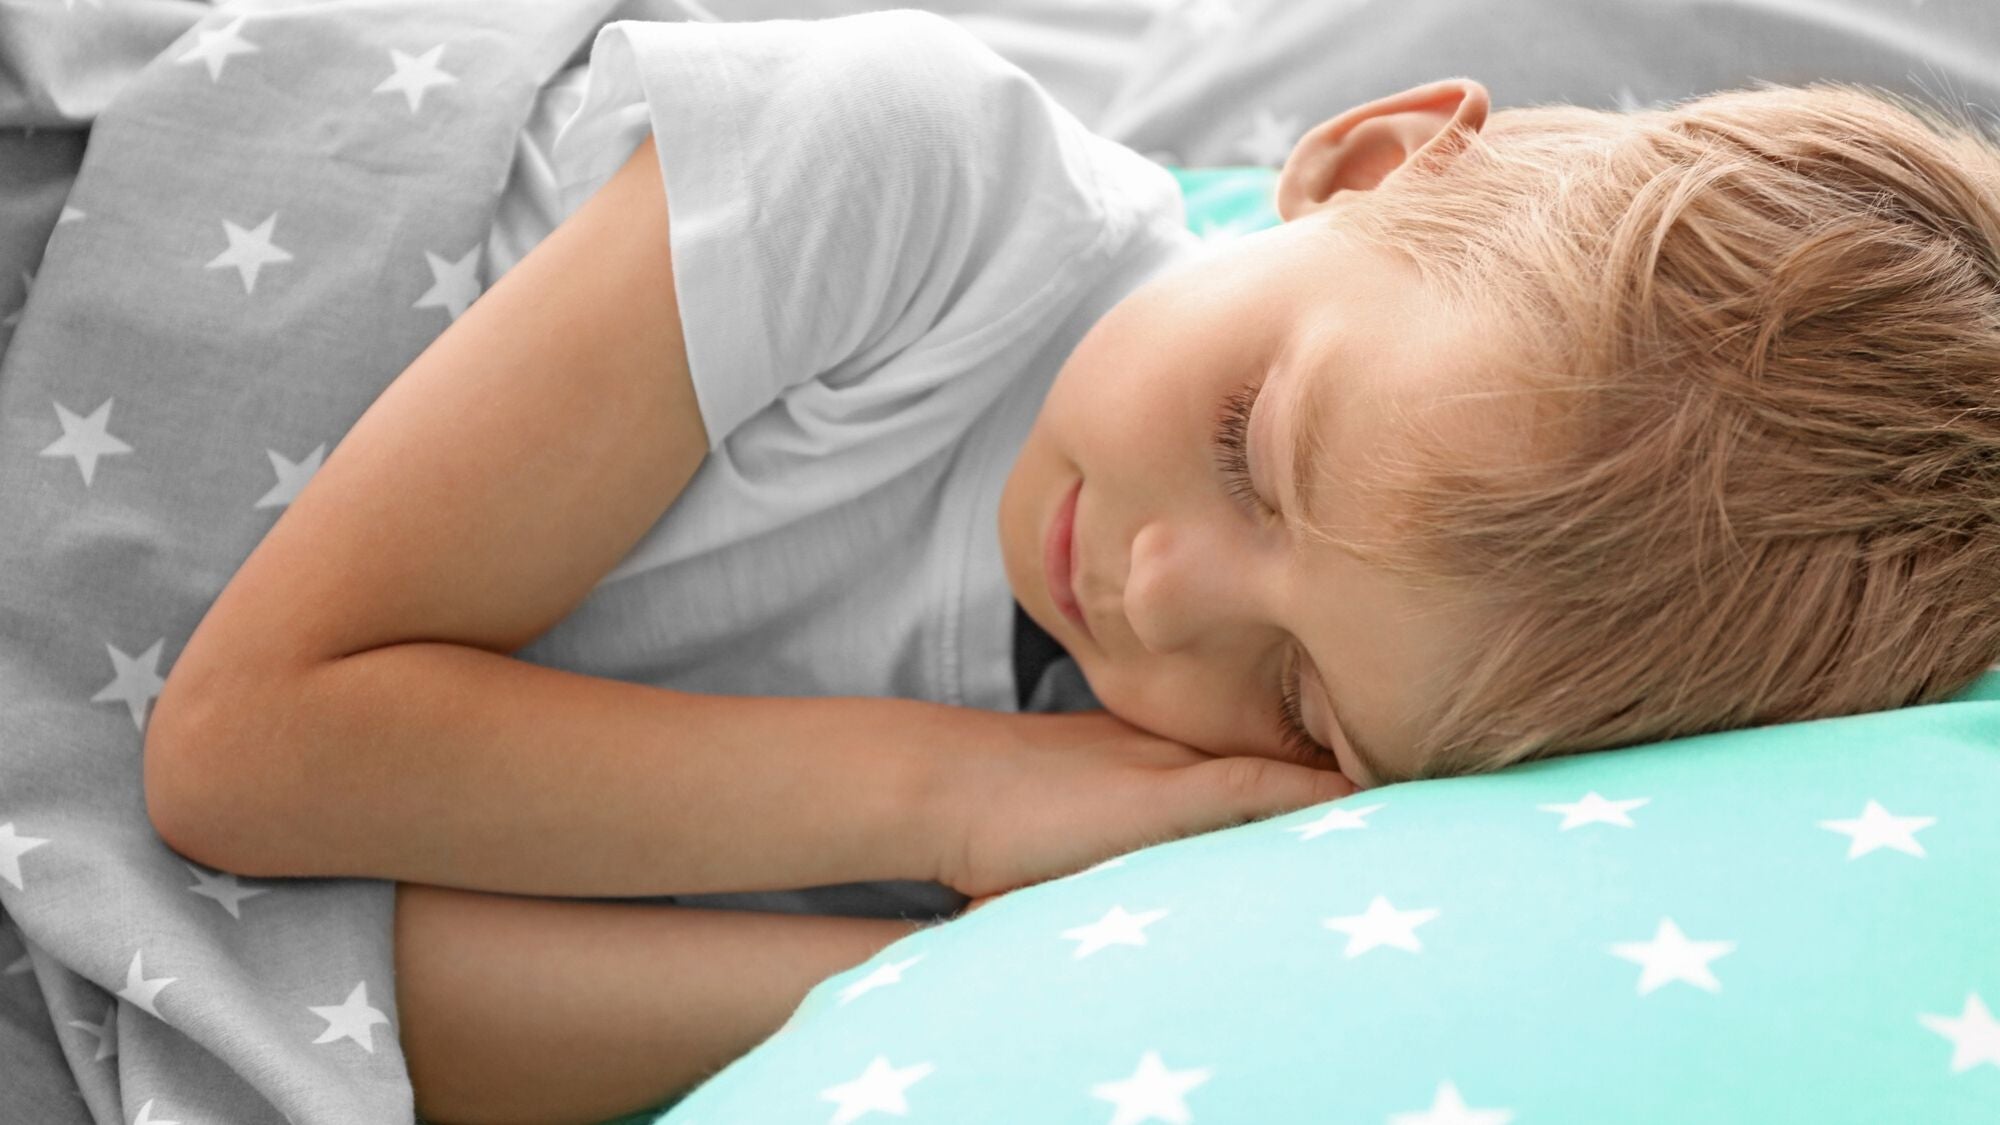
(1357, 150)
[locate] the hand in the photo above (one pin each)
(1069, 790)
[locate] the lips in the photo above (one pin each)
(1059, 560)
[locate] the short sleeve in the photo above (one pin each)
(837, 188)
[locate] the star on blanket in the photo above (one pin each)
(415, 74)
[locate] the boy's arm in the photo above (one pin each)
(556, 1011)
(348, 705)
(443, 764)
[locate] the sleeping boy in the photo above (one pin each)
(722, 552)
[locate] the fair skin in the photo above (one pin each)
(1197, 605)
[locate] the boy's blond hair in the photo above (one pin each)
(1760, 336)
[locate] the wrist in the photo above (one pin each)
(944, 776)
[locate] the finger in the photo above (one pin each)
(1235, 789)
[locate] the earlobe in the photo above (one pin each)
(1362, 147)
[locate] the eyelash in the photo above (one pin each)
(1231, 429)
(1294, 724)
(1231, 434)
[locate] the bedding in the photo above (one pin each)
(1789, 923)
(1228, 82)
(177, 353)
(253, 246)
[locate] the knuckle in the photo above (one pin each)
(1243, 777)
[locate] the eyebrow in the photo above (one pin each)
(1305, 405)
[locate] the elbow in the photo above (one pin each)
(187, 790)
(172, 796)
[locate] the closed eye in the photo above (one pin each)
(1232, 452)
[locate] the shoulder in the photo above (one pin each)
(925, 66)
(894, 31)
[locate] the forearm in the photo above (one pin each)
(519, 1010)
(457, 767)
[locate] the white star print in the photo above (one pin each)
(12, 848)
(881, 1087)
(85, 439)
(292, 476)
(1875, 828)
(140, 991)
(249, 251)
(1271, 138)
(1670, 956)
(1115, 928)
(1593, 809)
(136, 682)
(414, 75)
(1447, 1108)
(885, 974)
(1152, 1092)
(454, 285)
(1333, 820)
(107, 1039)
(1214, 234)
(216, 47)
(146, 1115)
(223, 888)
(1382, 924)
(1974, 1035)
(353, 1018)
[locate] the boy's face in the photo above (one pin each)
(1200, 602)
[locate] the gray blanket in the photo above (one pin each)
(272, 218)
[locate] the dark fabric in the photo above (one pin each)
(1034, 651)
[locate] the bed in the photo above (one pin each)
(1793, 923)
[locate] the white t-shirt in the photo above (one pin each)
(886, 241)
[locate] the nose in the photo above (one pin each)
(1185, 585)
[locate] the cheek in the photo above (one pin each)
(1182, 706)
(1135, 408)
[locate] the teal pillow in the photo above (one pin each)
(1789, 923)
(1225, 202)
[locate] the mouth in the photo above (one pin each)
(1059, 560)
